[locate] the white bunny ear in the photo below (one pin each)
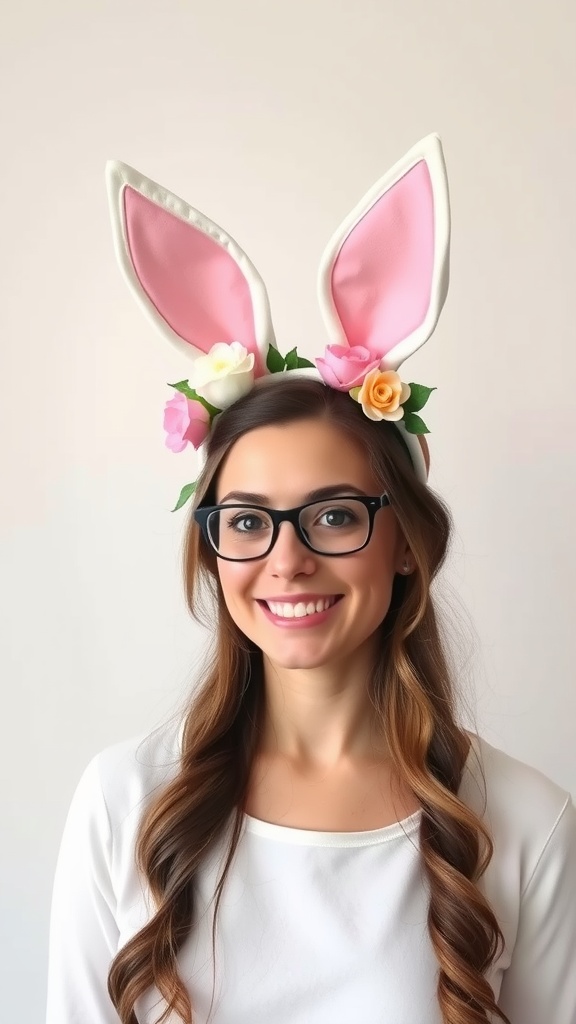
(384, 275)
(192, 279)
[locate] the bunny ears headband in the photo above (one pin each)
(382, 283)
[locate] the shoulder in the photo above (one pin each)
(524, 809)
(139, 765)
(100, 835)
(121, 780)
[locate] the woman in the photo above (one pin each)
(320, 840)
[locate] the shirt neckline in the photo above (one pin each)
(312, 837)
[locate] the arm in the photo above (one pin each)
(540, 984)
(83, 931)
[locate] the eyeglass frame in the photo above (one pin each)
(291, 515)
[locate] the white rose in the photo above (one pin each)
(224, 375)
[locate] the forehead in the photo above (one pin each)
(286, 461)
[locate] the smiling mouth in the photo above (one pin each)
(300, 609)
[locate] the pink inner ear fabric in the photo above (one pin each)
(192, 281)
(382, 276)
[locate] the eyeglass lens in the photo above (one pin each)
(330, 527)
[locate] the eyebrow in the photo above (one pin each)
(340, 490)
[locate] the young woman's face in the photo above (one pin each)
(284, 464)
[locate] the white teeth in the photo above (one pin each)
(285, 610)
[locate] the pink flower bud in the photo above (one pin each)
(345, 367)
(185, 422)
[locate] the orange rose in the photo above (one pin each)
(382, 395)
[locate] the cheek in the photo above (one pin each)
(374, 592)
(387, 546)
(373, 577)
(235, 579)
(376, 563)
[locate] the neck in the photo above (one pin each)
(323, 716)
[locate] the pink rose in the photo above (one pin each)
(344, 367)
(185, 422)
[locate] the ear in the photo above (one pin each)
(384, 275)
(191, 278)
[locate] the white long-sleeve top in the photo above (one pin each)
(315, 927)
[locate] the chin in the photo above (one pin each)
(298, 658)
(311, 653)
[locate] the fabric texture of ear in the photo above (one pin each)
(382, 282)
(384, 275)
(192, 279)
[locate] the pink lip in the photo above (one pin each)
(305, 622)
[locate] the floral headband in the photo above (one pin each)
(382, 283)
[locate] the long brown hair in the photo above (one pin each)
(413, 703)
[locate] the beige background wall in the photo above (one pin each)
(274, 118)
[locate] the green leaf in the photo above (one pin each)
(419, 395)
(292, 359)
(414, 424)
(301, 363)
(275, 363)
(184, 388)
(185, 493)
(354, 392)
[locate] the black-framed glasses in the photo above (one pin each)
(334, 526)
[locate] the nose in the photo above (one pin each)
(289, 557)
